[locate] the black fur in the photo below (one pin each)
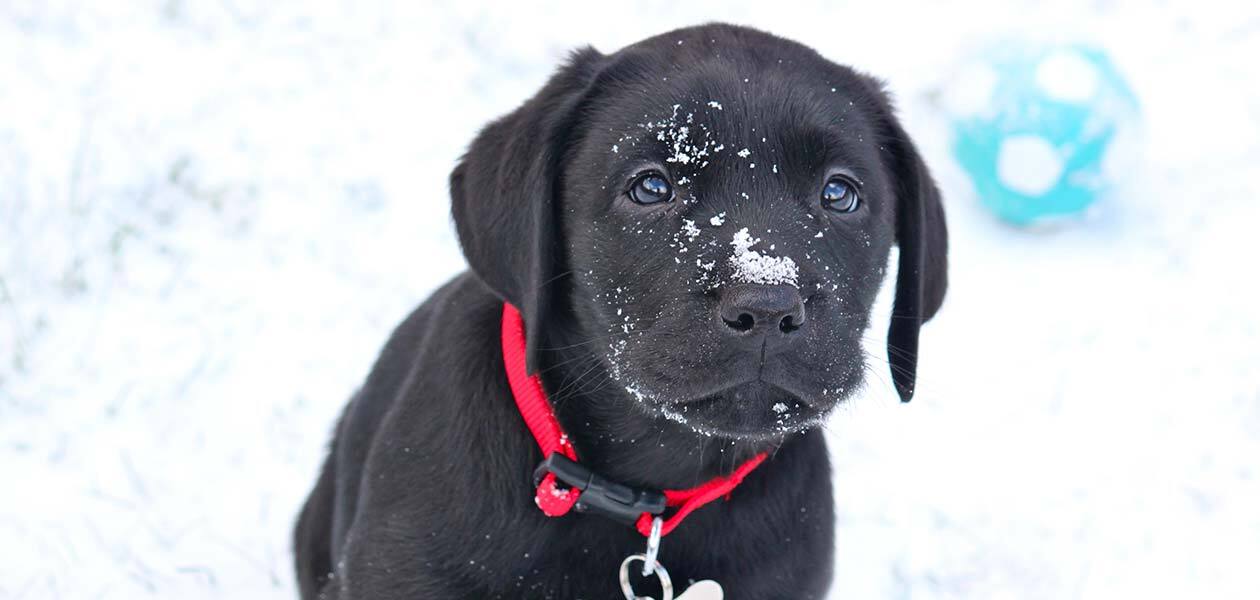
(427, 491)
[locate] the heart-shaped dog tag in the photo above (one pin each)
(703, 590)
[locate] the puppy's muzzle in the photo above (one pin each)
(754, 314)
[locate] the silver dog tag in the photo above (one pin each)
(703, 590)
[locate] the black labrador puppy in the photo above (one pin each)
(694, 229)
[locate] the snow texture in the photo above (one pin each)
(212, 214)
(751, 266)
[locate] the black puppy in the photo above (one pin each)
(694, 229)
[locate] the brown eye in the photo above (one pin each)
(839, 195)
(651, 188)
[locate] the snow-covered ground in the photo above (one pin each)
(212, 213)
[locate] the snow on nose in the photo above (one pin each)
(751, 266)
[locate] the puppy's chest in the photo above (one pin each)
(588, 569)
(597, 579)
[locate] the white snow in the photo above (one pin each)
(751, 266)
(687, 143)
(970, 91)
(213, 213)
(718, 219)
(689, 229)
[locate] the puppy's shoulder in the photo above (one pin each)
(459, 318)
(455, 323)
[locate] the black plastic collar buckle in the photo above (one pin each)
(601, 496)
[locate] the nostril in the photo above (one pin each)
(743, 323)
(754, 312)
(788, 324)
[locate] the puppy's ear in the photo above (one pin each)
(504, 195)
(921, 266)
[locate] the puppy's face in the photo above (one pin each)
(724, 203)
(727, 232)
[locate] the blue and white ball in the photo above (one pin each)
(1041, 129)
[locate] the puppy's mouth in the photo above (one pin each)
(733, 393)
(741, 389)
(755, 409)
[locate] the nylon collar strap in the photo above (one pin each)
(583, 489)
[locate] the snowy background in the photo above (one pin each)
(212, 214)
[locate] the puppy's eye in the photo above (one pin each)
(840, 195)
(651, 188)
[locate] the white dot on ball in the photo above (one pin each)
(1067, 76)
(1028, 164)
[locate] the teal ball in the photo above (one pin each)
(1041, 129)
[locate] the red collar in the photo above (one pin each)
(584, 489)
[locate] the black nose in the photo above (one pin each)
(753, 311)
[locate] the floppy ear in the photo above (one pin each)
(921, 266)
(504, 195)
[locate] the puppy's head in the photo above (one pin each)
(713, 208)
